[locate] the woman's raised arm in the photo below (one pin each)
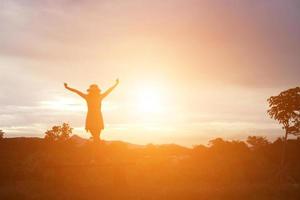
(109, 90)
(74, 90)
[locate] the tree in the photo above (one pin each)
(285, 108)
(1, 134)
(221, 145)
(216, 142)
(59, 133)
(257, 142)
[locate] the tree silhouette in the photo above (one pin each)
(59, 133)
(285, 108)
(257, 142)
(1, 134)
(221, 145)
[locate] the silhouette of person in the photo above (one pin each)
(94, 119)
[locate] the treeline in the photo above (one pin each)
(77, 169)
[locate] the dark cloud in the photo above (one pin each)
(258, 41)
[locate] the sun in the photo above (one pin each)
(150, 100)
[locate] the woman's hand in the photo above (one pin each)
(107, 92)
(74, 90)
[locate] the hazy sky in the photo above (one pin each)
(211, 66)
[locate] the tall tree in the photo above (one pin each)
(285, 108)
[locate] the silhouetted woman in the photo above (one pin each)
(94, 120)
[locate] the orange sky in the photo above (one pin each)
(211, 64)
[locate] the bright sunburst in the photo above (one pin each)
(150, 100)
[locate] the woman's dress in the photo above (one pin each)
(94, 119)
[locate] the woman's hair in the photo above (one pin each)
(94, 89)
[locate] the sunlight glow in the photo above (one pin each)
(150, 100)
(65, 104)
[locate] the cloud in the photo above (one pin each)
(222, 59)
(252, 40)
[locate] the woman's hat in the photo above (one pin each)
(93, 88)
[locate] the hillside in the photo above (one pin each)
(32, 168)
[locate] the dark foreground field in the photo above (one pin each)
(33, 168)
